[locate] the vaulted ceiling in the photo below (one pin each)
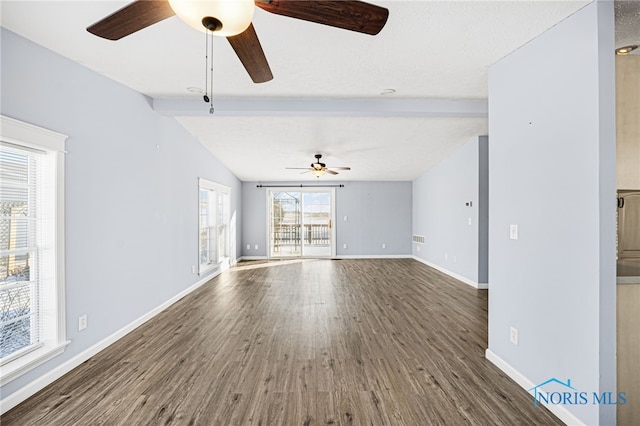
(390, 106)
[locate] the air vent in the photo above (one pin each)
(418, 239)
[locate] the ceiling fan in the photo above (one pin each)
(318, 169)
(232, 19)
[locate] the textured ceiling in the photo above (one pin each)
(628, 24)
(424, 140)
(429, 50)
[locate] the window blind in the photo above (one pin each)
(20, 241)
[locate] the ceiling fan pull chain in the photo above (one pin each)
(206, 66)
(211, 109)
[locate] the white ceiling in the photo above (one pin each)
(429, 50)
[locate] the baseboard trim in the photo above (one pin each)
(41, 382)
(372, 256)
(558, 410)
(252, 258)
(479, 286)
(350, 256)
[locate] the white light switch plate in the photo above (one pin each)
(513, 232)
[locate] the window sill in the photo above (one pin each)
(28, 362)
(222, 266)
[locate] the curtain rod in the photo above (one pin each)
(300, 186)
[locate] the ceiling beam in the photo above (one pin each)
(242, 107)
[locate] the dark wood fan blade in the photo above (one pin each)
(131, 18)
(298, 168)
(350, 15)
(249, 50)
(331, 172)
(341, 168)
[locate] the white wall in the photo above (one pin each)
(377, 213)
(455, 233)
(552, 172)
(131, 192)
(254, 223)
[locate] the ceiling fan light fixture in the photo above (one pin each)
(224, 17)
(318, 172)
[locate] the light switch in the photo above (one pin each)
(513, 232)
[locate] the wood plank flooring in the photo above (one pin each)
(320, 342)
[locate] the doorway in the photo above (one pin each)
(301, 223)
(628, 187)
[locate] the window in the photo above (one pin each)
(31, 247)
(213, 208)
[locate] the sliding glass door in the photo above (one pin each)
(285, 224)
(301, 223)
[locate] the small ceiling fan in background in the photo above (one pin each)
(319, 169)
(232, 19)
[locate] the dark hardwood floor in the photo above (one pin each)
(320, 342)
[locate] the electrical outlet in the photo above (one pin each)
(446, 256)
(384, 246)
(255, 247)
(346, 218)
(193, 269)
(417, 248)
(82, 322)
(344, 246)
(470, 222)
(248, 246)
(513, 335)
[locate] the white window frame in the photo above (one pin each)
(221, 261)
(23, 135)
